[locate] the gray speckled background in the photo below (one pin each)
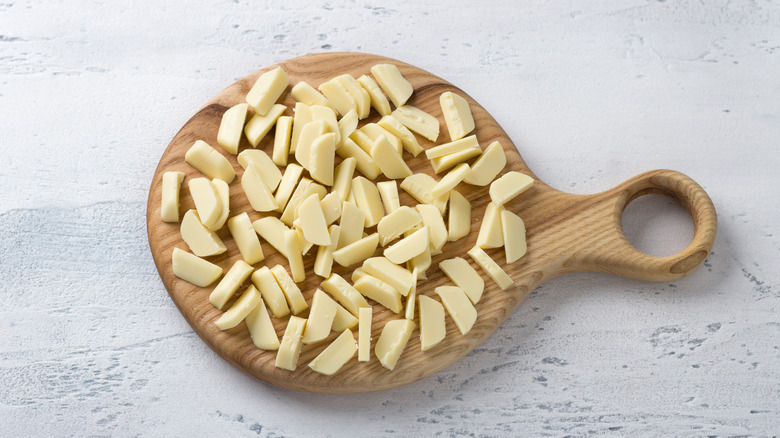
(592, 93)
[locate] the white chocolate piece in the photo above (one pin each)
(514, 236)
(378, 99)
(323, 311)
(294, 255)
(194, 269)
(368, 200)
(389, 77)
(301, 117)
(338, 353)
(379, 291)
(339, 96)
(321, 158)
(418, 121)
(302, 242)
(357, 274)
(257, 191)
(288, 215)
(290, 289)
(459, 219)
(408, 247)
(395, 127)
(327, 115)
(421, 263)
(342, 180)
(340, 288)
(388, 191)
(230, 283)
(420, 186)
(266, 167)
(437, 231)
(393, 340)
(363, 161)
(258, 126)
(246, 239)
(450, 180)
(305, 93)
(396, 276)
(288, 183)
(282, 140)
(374, 131)
(359, 95)
(231, 127)
(491, 235)
(489, 164)
(223, 191)
(267, 90)
(261, 329)
(315, 229)
(290, 347)
(356, 251)
(272, 293)
(458, 306)
(460, 272)
(209, 161)
(347, 125)
(309, 133)
(389, 161)
(432, 328)
(343, 320)
(331, 207)
(169, 204)
(364, 333)
(324, 260)
(491, 268)
(351, 223)
(272, 231)
(362, 139)
(452, 147)
(202, 241)
(412, 297)
(511, 184)
(396, 223)
(207, 201)
(440, 164)
(240, 309)
(457, 114)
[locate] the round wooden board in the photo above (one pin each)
(565, 233)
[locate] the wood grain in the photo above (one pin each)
(565, 233)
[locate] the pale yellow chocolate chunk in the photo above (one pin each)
(207, 201)
(395, 335)
(368, 200)
(301, 117)
(342, 179)
(452, 147)
(363, 161)
(344, 293)
(209, 161)
(411, 299)
(305, 93)
(338, 353)
(458, 306)
(169, 204)
(265, 165)
(347, 125)
(271, 292)
(440, 164)
(396, 276)
(491, 268)
(464, 276)
(261, 329)
(388, 191)
(230, 283)
(357, 274)
(258, 126)
(418, 121)
(282, 140)
(432, 328)
(374, 131)
(321, 158)
(302, 242)
(323, 263)
(290, 347)
(362, 139)
(202, 241)
(343, 320)
(356, 251)
(290, 289)
(351, 223)
(396, 223)
(364, 333)
(511, 184)
(450, 180)
(288, 215)
(395, 127)
(389, 77)
(491, 235)
(408, 247)
(246, 239)
(421, 263)
(379, 291)
(388, 160)
(321, 315)
(378, 99)
(327, 115)
(437, 231)
(331, 207)
(309, 133)
(514, 236)
(358, 93)
(294, 255)
(272, 231)
(489, 164)
(339, 96)
(223, 191)
(457, 114)
(459, 217)
(287, 185)
(267, 90)
(257, 191)
(315, 229)
(194, 269)
(240, 309)
(231, 127)
(420, 186)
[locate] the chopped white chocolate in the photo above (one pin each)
(231, 127)
(411, 299)
(342, 179)
(344, 293)
(514, 236)
(240, 309)
(304, 244)
(272, 293)
(343, 320)
(458, 306)
(420, 186)
(464, 276)
(357, 274)
(364, 163)
(408, 247)
(267, 90)
(432, 328)
(408, 140)
(258, 126)
(452, 147)
(362, 139)
(331, 207)
(396, 223)
(246, 239)
(374, 131)
(437, 231)
(347, 125)
(440, 164)
(351, 223)
(388, 191)
(356, 251)
(359, 95)
(315, 229)
(288, 183)
(339, 96)
(288, 215)
(378, 99)
(309, 133)
(169, 204)
(230, 283)
(327, 115)
(450, 180)
(290, 289)
(209, 161)
(265, 166)
(305, 93)
(379, 291)
(202, 241)
(321, 158)
(491, 268)
(388, 160)
(392, 274)
(364, 333)
(321, 315)
(338, 353)
(393, 340)
(491, 235)
(368, 200)
(418, 121)
(261, 329)
(194, 269)
(489, 164)
(459, 216)
(207, 201)
(272, 231)
(511, 184)
(301, 116)
(389, 77)
(421, 263)
(457, 114)
(294, 255)
(257, 191)
(223, 191)
(290, 347)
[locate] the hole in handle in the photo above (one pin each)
(657, 224)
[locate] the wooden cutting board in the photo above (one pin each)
(565, 233)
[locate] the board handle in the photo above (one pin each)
(604, 247)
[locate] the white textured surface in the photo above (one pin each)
(592, 93)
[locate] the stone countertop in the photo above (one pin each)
(591, 94)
